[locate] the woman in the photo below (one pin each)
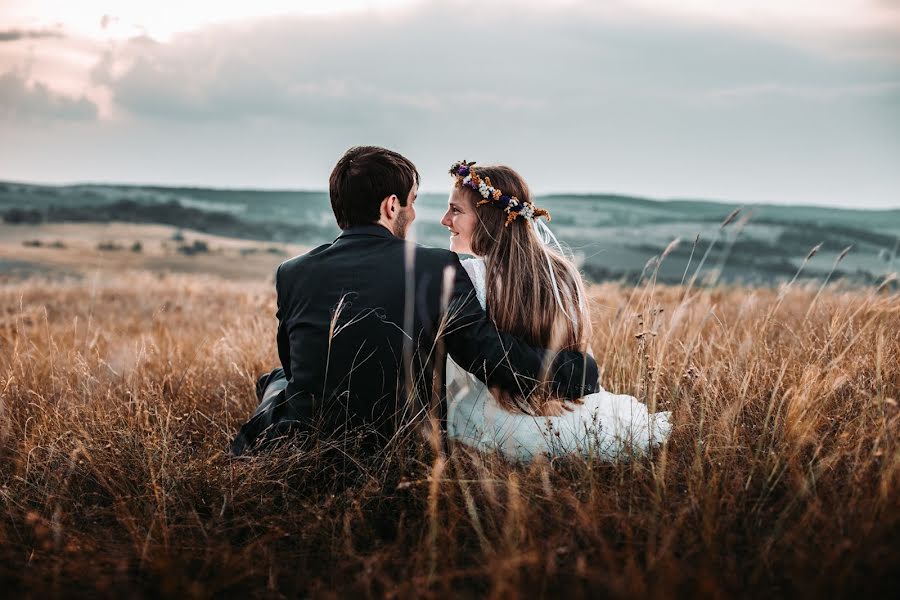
(531, 289)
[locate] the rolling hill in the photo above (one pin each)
(613, 236)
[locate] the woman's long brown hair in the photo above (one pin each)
(520, 286)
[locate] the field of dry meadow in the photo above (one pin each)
(118, 395)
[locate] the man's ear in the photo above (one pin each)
(389, 206)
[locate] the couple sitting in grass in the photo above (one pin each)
(378, 334)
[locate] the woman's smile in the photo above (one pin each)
(460, 222)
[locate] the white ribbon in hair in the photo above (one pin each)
(546, 236)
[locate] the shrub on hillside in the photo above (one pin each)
(23, 216)
(198, 247)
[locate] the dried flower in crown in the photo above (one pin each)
(465, 175)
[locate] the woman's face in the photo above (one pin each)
(460, 219)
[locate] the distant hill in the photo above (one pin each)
(614, 236)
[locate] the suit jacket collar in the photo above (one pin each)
(373, 230)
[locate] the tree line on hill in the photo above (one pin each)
(170, 213)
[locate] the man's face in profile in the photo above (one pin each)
(407, 214)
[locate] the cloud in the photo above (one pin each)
(889, 90)
(13, 35)
(437, 61)
(578, 98)
(24, 100)
(317, 70)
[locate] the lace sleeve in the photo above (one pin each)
(475, 269)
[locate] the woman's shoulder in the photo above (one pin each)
(476, 270)
(474, 266)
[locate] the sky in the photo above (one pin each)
(760, 101)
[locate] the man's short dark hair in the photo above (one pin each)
(363, 178)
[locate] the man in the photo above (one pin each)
(363, 322)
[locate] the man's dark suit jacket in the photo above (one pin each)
(363, 324)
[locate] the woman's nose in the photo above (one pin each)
(445, 220)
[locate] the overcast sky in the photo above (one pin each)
(763, 101)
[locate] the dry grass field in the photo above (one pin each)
(118, 395)
(84, 249)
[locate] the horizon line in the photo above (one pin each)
(648, 198)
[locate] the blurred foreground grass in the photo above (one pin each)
(118, 396)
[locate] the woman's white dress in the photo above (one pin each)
(606, 426)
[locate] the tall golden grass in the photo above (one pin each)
(118, 397)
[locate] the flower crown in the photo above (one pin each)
(465, 175)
